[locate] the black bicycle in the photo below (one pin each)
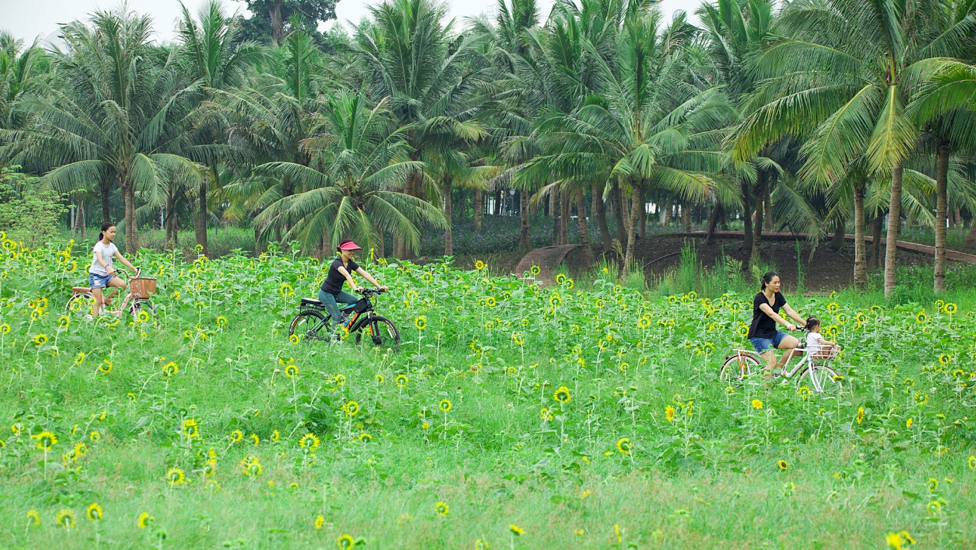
(314, 322)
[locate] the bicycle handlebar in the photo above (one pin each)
(371, 291)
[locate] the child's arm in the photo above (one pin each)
(122, 259)
(98, 257)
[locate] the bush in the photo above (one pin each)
(28, 214)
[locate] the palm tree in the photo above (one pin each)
(846, 75)
(23, 72)
(413, 58)
(355, 165)
(115, 116)
(214, 58)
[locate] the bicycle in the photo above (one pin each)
(813, 371)
(314, 322)
(141, 290)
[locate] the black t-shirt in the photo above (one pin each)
(334, 280)
(764, 326)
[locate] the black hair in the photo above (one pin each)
(812, 322)
(342, 242)
(105, 227)
(768, 278)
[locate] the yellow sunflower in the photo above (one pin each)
(562, 395)
(65, 518)
(94, 512)
(441, 508)
(444, 405)
(623, 445)
(782, 465)
(420, 322)
(351, 408)
(346, 542)
(175, 477)
(291, 371)
(669, 413)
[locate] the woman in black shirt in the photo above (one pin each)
(331, 294)
(765, 314)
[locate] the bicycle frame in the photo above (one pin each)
(806, 359)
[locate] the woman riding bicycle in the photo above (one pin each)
(101, 274)
(765, 315)
(331, 293)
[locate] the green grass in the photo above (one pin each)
(506, 453)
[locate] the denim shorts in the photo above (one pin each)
(99, 281)
(763, 344)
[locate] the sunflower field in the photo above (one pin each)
(513, 416)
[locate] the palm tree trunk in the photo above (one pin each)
(686, 217)
(758, 227)
(448, 233)
(497, 210)
(554, 214)
(840, 230)
(618, 212)
(170, 224)
(106, 213)
(860, 266)
(479, 207)
(970, 242)
(941, 179)
(894, 225)
(666, 221)
(642, 228)
(131, 232)
(524, 241)
(632, 230)
(712, 222)
(380, 244)
(277, 23)
(746, 218)
(564, 214)
(768, 210)
(201, 230)
(601, 218)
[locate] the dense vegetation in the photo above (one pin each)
(811, 116)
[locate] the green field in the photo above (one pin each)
(517, 417)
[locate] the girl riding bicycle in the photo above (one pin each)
(765, 315)
(101, 274)
(331, 294)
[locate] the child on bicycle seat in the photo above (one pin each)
(331, 293)
(101, 274)
(817, 347)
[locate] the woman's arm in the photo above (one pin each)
(345, 273)
(370, 278)
(122, 259)
(769, 311)
(794, 315)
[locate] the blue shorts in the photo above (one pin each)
(763, 344)
(99, 281)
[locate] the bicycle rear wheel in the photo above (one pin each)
(737, 367)
(310, 325)
(380, 332)
(822, 379)
(80, 304)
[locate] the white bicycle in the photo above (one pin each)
(811, 369)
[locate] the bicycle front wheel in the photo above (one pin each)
(380, 332)
(309, 326)
(738, 366)
(822, 379)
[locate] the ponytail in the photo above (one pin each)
(768, 278)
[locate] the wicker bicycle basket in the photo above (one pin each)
(143, 288)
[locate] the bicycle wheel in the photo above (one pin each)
(381, 332)
(80, 303)
(310, 325)
(821, 379)
(737, 367)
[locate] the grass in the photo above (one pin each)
(607, 463)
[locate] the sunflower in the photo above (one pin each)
(562, 395)
(860, 415)
(782, 465)
(479, 265)
(94, 512)
(420, 322)
(517, 338)
(644, 322)
(908, 423)
(64, 321)
(401, 381)
(171, 368)
(346, 542)
(951, 308)
(427, 277)
(669, 413)
(518, 531)
(255, 440)
(743, 331)
(236, 436)
(80, 449)
(340, 379)
(105, 367)
(920, 317)
(972, 462)
(833, 307)
(4, 328)
(275, 435)
(535, 270)
(561, 279)
(143, 316)
(364, 437)
(491, 301)
(33, 517)
(190, 428)
(757, 404)
(175, 477)
(599, 303)
(40, 339)
(65, 518)
(441, 508)
(291, 371)
(286, 290)
(803, 392)
(319, 521)
(221, 321)
(379, 378)
(945, 358)
(144, 520)
(45, 440)
(309, 441)
(623, 445)
(351, 408)
(555, 300)
(293, 339)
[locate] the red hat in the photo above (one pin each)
(349, 245)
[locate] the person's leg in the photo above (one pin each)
(769, 356)
(329, 301)
(117, 285)
(787, 343)
(97, 306)
(346, 298)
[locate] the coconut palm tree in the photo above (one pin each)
(356, 163)
(846, 74)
